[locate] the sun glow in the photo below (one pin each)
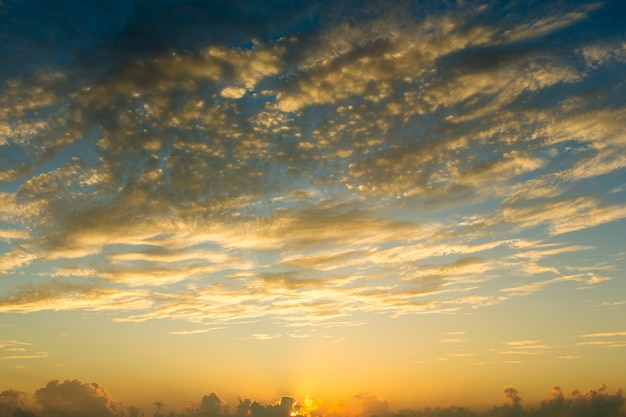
(306, 407)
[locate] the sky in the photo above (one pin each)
(324, 208)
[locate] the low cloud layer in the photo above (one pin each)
(73, 398)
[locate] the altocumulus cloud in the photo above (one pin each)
(289, 166)
(74, 398)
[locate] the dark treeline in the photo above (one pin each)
(72, 398)
(593, 403)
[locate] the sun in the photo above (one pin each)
(305, 408)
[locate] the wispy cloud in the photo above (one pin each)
(66, 296)
(37, 355)
(608, 334)
(525, 347)
(264, 336)
(616, 339)
(19, 350)
(198, 331)
(549, 24)
(6, 344)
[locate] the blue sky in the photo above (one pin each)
(438, 186)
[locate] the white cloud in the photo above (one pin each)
(233, 92)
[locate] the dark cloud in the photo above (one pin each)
(72, 398)
(282, 409)
(99, 36)
(210, 405)
(166, 26)
(10, 400)
(23, 413)
(372, 406)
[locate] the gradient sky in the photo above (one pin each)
(406, 203)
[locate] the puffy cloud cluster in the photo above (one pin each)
(70, 398)
(294, 173)
(75, 399)
(11, 400)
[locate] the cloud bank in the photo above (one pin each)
(395, 162)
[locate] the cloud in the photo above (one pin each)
(264, 336)
(67, 296)
(13, 234)
(608, 334)
(37, 355)
(292, 171)
(526, 289)
(283, 408)
(6, 344)
(602, 53)
(18, 351)
(10, 400)
(73, 398)
(541, 251)
(563, 216)
(185, 332)
(525, 347)
(10, 261)
(210, 405)
(452, 340)
(611, 339)
(549, 24)
(233, 92)
(370, 406)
